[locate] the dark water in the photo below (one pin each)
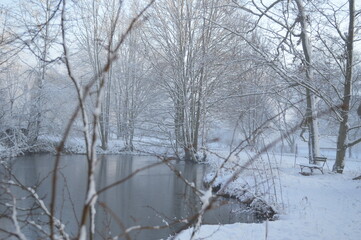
(155, 196)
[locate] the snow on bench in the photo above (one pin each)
(322, 160)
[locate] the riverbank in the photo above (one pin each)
(76, 145)
(314, 207)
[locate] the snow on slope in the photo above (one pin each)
(316, 207)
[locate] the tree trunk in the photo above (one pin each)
(179, 121)
(345, 107)
(311, 118)
(314, 148)
(106, 113)
(119, 117)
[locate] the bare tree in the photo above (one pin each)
(288, 16)
(185, 44)
(133, 87)
(308, 62)
(38, 20)
(97, 40)
(342, 141)
(335, 67)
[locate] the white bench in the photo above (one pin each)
(322, 160)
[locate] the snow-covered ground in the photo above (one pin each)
(314, 207)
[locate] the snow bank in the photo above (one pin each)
(76, 145)
(258, 185)
(314, 207)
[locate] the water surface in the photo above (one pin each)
(155, 196)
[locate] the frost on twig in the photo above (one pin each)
(14, 219)
(206, 200)
(35, 205)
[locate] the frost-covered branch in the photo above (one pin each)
(14, 219)
(353, 143)
(293, 79)
(207, 201)
(39, 204)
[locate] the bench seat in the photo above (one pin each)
(314, 166)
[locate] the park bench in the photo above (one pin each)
(321, 160)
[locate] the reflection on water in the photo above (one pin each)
(152, 197)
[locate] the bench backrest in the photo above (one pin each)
(320, 159)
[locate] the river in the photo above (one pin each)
(155, 196)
